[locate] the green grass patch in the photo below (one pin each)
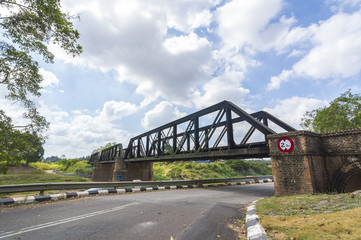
(37, 177)
(321, 216)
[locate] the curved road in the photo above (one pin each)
(181, 214)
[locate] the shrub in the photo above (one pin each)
(41, 166)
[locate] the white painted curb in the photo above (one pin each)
(254, 229)
(55, 197)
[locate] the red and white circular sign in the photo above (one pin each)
(285, 144)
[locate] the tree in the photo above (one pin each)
(17, 146)
(343, 113)
(36, 152)
(52, 159)
(101, 148)
(28, 27)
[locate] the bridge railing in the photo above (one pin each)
(107, 155)
(86, 185)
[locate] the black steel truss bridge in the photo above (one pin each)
(222, 131)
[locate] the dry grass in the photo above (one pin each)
(312, 216)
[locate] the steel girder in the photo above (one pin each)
(188, 138)
(185, 139)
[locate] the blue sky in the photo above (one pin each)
(146, 63)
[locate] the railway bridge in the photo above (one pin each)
(303, 164)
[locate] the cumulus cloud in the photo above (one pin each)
(256, 26)
(78, 133)
(131, 38)
(192, 42)
(225, 87)
(240, 22)
(50, 79)
(291, 110)
(277, 80)
(114, 110)
(336, 51)
(162, 113)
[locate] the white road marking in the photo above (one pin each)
(66, 220)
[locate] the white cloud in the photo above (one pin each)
(14, 111)
(113, 110)
(225, 87)
(277, 80)
(161, 114)
(50, 79)
(131, 38)
(78, 133)
(341, 4)
(192, 42)
(247, 24)
(291, 110)
(295, 53)
(336, 51)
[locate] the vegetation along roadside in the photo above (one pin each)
(320, 216)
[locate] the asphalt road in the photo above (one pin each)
(182, 214)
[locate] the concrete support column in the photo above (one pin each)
(103, 172)
(119, 169)
(139, 171)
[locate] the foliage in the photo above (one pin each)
(28, 27)
(218, 169)
(17, 146)
(69, 166)
(343, 113)
(43, 166)
(81, 168)
(101, 148)
(65, 164)
(37, 151)
(52, 159)
(191, 170)
(242, 166)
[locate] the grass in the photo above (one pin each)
(34, 177)
(321, 216)
(37, 177)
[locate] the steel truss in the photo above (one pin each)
(187, 139)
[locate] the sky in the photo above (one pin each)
(146, 63)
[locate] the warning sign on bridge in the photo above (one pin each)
(285, 144)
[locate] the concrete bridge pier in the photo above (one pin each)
(132, 171)
(102, 171)
(107, 172)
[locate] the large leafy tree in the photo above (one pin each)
(343, 113)
(27, 27)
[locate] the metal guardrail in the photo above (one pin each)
(85, 185)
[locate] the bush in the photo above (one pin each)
(41, 166)
(242, 166)
(80, 167)
(73, 166)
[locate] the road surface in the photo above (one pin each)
(183, 214)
